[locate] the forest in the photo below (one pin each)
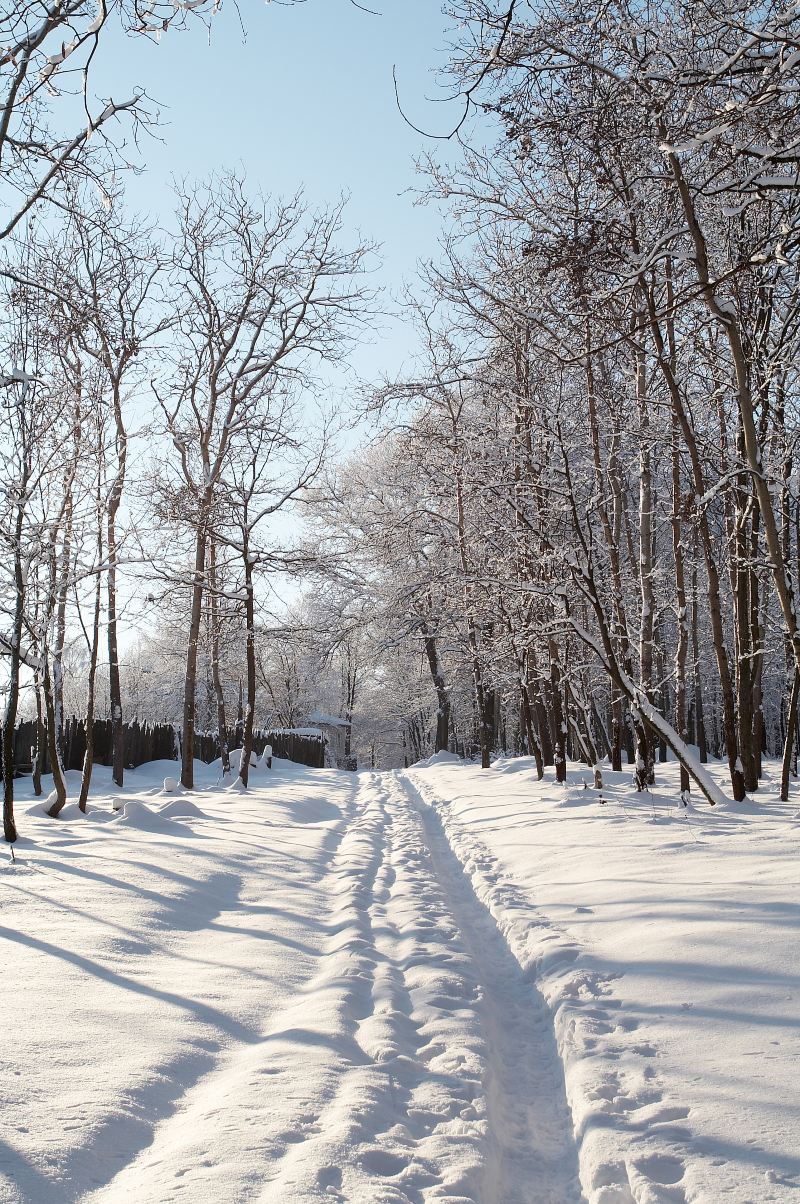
(572, 528)
(399, 615)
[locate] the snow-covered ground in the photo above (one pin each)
(443, 984)
(666, 946)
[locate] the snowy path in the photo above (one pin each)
(427, 1008)
(282, 996)
(532, 1155)
(439, 984)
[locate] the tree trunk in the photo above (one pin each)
(114, 683)
(190, 678)
(222, 724)
(530, 736)
(559, 724)
(38, 754)
(645, 761)
(250, 656)
(682, 646)
(53, 749)
(61, 628)
(442, 694)
(88, 757)
(12, 697)
(791, 725)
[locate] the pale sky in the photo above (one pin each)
(304, 96)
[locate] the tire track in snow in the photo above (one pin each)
(452, 1087)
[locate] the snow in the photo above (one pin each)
(665, 947)
(436, 984)
(318, 718)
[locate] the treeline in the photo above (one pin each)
(153, 394)
(583, 512)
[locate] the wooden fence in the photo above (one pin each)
(302, 747)
(159, 741)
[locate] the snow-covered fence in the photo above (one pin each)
(306, 746)
(143, 742)
(156, 742)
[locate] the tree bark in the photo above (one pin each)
(791, 727)
(250, 656)
(53, 749)
(12, 697)
(114, 683)
(559, 724)
(88, 757)
(222, 724)
(190, 676)
(442, 694)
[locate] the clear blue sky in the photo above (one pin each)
(304, 96)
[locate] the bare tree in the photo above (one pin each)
(263, 292)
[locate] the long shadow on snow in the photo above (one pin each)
(115, 1143)
(202, 1012)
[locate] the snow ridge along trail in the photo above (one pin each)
(427, 1009)
(612, 1084)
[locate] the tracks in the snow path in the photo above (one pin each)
(447, 1084)
(415, 1064)
(531, 1155)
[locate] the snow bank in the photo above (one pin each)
(440, 758)
(182, 807)
(136, 814)
(147, 980)
(664, 943)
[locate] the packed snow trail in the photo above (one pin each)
(531, 1152)
(428, 1009)
(285, 995)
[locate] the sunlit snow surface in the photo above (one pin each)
(446, 984)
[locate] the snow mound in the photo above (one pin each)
(137, 814)
(172, 786)
(98, 815)
(70, 811)
(181, 807)
(236, 758)
(440, 758)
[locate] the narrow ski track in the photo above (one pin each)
(531, 1155)
(447, 1084)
